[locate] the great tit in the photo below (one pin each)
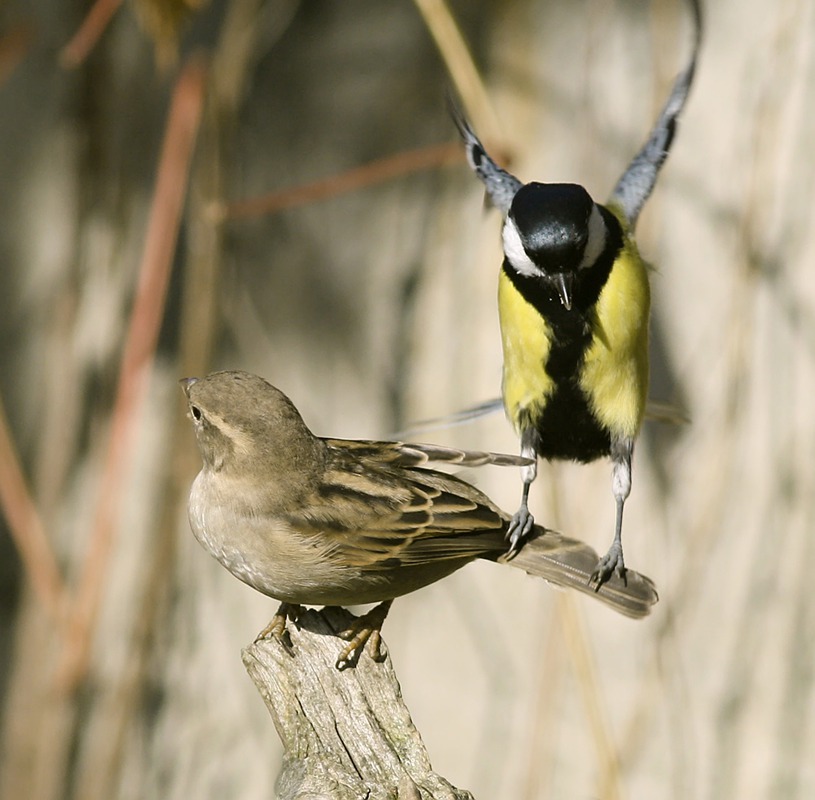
(574, 303)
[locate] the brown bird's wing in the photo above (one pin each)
(403, 454)
(377, 510)
(386, 517)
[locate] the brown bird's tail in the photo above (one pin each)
(570, 562)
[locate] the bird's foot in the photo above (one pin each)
(520, 526)
(610, 563)
(276, 629)
(364, 630)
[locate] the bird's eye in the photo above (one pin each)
(196, 413)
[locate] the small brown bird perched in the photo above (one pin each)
(312, 521)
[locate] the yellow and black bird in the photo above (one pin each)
(574, 303)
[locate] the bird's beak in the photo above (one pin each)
(564, 282)
(186, 383)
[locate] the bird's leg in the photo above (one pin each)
(613, 560)
(364, 630)
(276, 629)
(520, 526)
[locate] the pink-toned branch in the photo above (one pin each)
(89, 33)
(378, 171)
(26, 527)
(139, 351)
(14, 44)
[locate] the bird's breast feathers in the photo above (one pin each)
(526, 338)
(259, 549)
(611, 371)
(615, 368)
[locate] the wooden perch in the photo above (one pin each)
(346, 734)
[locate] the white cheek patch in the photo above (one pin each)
(596, 241)
(515, 253)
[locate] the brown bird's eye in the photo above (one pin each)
(196, 413)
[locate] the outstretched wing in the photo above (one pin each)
(637, 182)
(406, 527)
(501, 186)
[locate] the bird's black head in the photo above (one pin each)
(553, 230)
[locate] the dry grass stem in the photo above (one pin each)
(459, 62)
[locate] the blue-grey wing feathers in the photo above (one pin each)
(637, 182)
(501, 186)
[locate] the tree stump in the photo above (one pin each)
(346, 734)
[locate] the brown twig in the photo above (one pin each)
(139, 350)
(13, 46)
(230, 69)
(26, 527)
(378, 171)
(89, 33)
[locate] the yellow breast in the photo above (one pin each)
(525, 337)
(615, 368)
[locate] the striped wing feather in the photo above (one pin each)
(376, 509)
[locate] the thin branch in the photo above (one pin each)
(374, 172)
(139, 351)
(230, 69)
(90, 31)
(27, 529)
(14, 44)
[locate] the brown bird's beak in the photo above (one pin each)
(564, 283)
(186, 383)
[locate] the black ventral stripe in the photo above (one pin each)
(568, 430)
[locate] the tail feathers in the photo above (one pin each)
(570, 562)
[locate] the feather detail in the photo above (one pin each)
(570, 562)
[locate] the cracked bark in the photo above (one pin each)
(346, 734)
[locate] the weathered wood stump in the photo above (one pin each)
(346, 734)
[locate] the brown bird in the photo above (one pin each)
(313, 521)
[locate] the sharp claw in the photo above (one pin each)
(519, 529)
(276, 629)
(363, 634)
(612, 562)
(360, 641)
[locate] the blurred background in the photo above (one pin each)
(277, 187)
